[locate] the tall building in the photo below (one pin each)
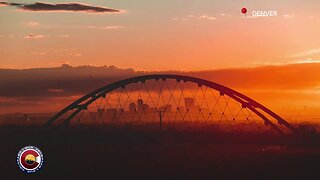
(132, 107)
(140, 105)
(189, 103)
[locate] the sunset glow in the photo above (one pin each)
(270, 52)
(160, 89)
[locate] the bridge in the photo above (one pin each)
(165, 100)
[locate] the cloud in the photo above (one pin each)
(68, 7)
(207, 17)
(111, 27)
(308, 61)
(83, 79)
(307, 53)
(288, 16)
(224, 15)
(34, 36)
(45, 85)
(193, 17)
(284, 77)
(57, 82)
(41, 36)
(2, 3)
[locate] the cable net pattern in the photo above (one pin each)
(170, 103)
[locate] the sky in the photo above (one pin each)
(210, 38)
(160, 35)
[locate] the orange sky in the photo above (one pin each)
(166, 35)
(174, 35)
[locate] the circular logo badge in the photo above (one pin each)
(30, 159)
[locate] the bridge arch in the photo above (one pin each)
(258, 109)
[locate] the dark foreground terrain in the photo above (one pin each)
(123, 153)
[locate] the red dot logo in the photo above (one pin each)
(244, 10)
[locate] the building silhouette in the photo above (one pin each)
(141, 110)
(190, 104)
